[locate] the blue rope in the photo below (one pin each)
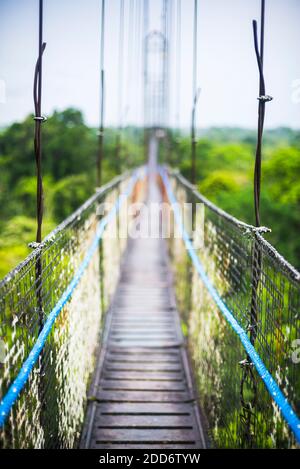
(16, 387)
(271, 385)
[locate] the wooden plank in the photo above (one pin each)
(143, 396)
(142, 335)
(127, 326)
(151, 435)
(142, 358)
(109, 384)
(129, 408)
(136, 343)
(144, 421)
(144, 338)
(139, 320)
(145, 351)
(146, 375)
(142, 330)
(142, 321)
(152, 446)
(141, 315)
(153, 367)
(150, 311)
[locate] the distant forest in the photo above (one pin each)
(225, 160)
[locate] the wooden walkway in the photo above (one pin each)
(142, 392)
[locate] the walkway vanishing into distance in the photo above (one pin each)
(142, 395)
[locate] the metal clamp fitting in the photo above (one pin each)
(40, 118)
(265, 98)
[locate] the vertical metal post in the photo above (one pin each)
(37, 97)
(195, 95)
(249, 398)
(178, 63)
(39, 119)
(101, 126)
(120, 90)
(263, 99)
(145, 81)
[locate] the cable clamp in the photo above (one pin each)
(244, 363)
(261, 229)
(256, 229)
(34, 245)
(253, 327)
(265, 98)
(40, 118)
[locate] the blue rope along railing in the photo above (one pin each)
(18, 384)
(276, 394)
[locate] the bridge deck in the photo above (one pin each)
(142, 393)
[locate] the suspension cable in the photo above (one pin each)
(37, 98)
(131, 52)
(195, 94)
(120, 88)
(178, 63)
(101, 124)
(137, 62)
(195, 44)
(263, 98)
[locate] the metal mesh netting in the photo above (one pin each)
(263, 293)
(50, 410)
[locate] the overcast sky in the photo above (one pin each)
(227, 70)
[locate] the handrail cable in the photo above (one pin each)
(19, 382)
(276, 394)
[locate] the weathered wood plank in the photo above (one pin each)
(143, 421)
(142, 358)
(151, 435)
(143, 336)
(197, 445)
(158, 332)
(146, 375)
(143, 396)
(130, 408)
(137, 343)
(144, 350)
(153, 367)
(109, 384)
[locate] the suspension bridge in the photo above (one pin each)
(95, 352)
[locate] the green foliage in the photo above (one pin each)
(281, 173)
(69, 166)
(69, 194)
(225, 160)
(225, 176)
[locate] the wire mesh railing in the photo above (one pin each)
(50, 409)
(262, 291)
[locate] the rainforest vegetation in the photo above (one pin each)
(225, 159)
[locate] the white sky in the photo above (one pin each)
(227, 70)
